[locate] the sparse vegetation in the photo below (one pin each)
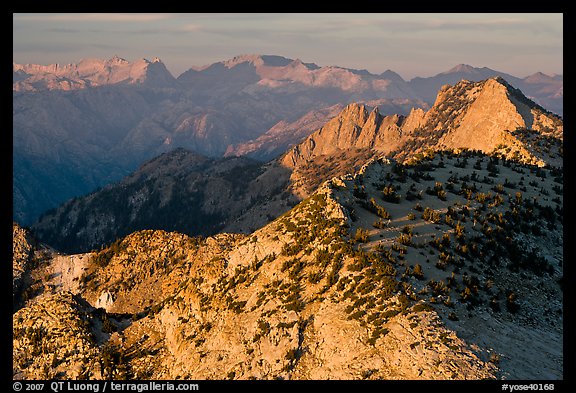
(361, 235)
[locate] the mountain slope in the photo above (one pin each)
(177, 191)
(330, 290)
(64, 142)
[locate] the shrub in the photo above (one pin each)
(315, 277)
(494, 304)
(237, 307)
(410, 196)
(264, 327)
(380, 224)
(292, 355)
(380, 211)
(417, 272)
(405, 239)
(492, 167)
(286, 265)
(482, 197)
(445, 240)
(296, 269)
(389, 194)
(511, 304)
(431, 215)
(296, 305)
(361, 235)
(438, 287)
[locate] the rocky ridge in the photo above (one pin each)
(472, 115)
(489, 116)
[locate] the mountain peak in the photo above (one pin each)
(118, 60)
(499, 79)
(538, 77)
(389, 74)
(461, 68)
(258, 60)
(489, 113)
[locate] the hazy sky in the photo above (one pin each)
(410, 44)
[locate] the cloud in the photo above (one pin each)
(478, 24)
(92, 17)
(44, 48)
(191, 28)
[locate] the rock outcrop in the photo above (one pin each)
(486, 116)
(54, 339)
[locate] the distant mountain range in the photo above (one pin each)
(277, 72)
(545, 90)
(90, 73)
(81, 126)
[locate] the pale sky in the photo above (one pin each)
(409, 44)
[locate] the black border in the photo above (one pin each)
(433, 7)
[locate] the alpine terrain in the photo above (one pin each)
(419, 245)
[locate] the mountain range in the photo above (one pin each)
(426, 244)
(82, 126)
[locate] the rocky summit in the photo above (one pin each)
(488, 116)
